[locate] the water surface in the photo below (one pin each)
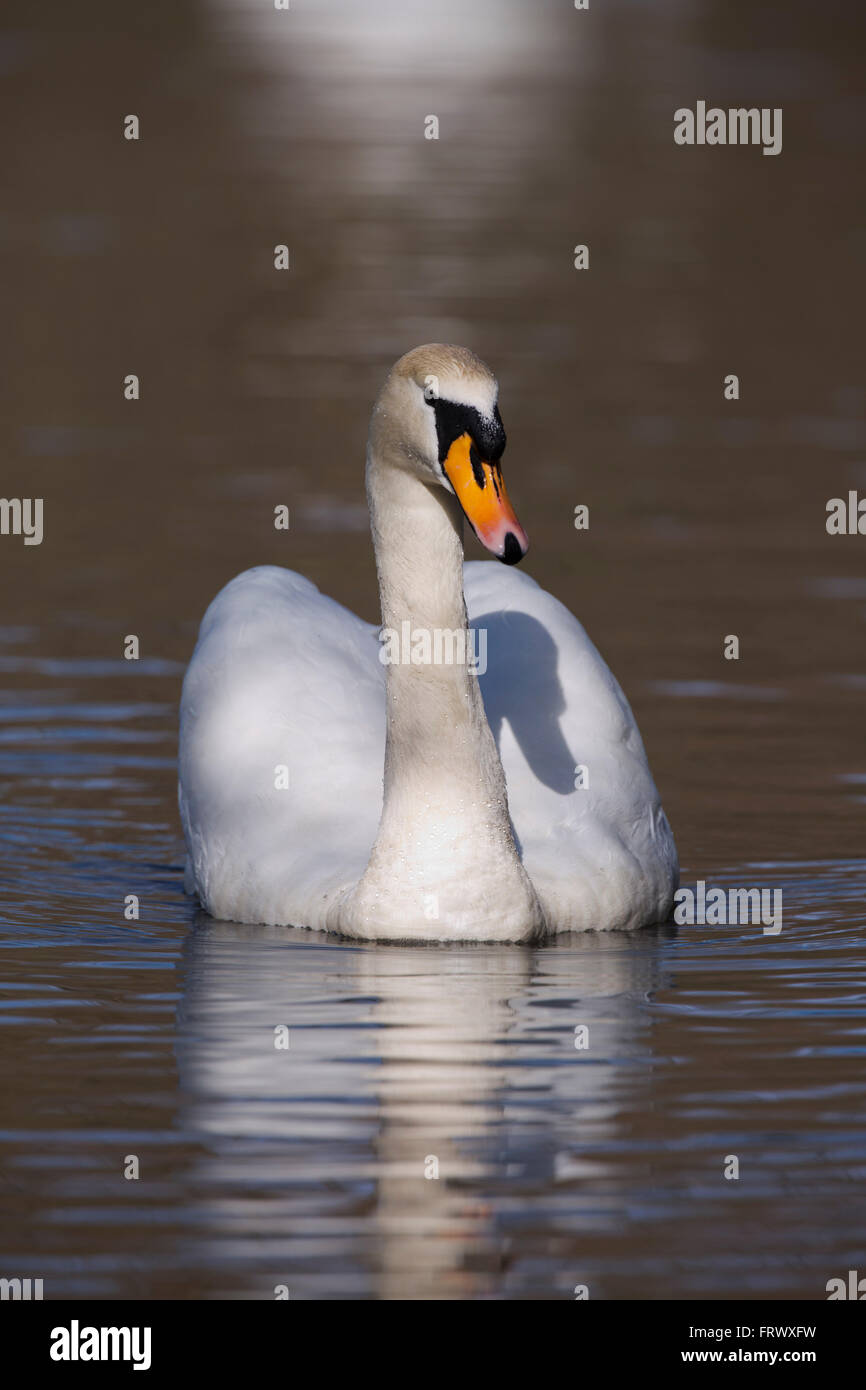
(154, 1037)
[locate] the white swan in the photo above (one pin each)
(292, 706)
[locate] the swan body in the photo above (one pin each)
(516, 799)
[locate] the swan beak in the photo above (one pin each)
(480, 490)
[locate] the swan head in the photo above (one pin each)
(437, 416)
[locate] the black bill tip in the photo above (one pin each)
(513, 552)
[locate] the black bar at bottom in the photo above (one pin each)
(73, 1338)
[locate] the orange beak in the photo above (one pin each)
(481, 493)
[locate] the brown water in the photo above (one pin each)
(154, 1037)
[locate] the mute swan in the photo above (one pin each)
(291, 707)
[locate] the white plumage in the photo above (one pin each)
(285, 678)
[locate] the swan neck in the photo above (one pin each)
(444, 856)
(418, 541)
(436, 725)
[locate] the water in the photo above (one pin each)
(154, 1037)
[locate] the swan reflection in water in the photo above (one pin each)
(403, 1061)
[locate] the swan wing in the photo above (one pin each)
(591, 830)
(282, 746)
